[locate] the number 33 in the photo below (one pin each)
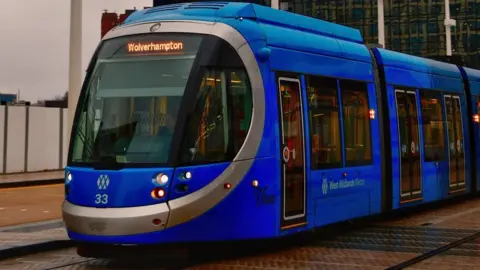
(101, 198)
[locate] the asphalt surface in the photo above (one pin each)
(30, 204)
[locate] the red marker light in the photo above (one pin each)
(156, 222)
(372, 113)
(158, 193)
(227, 185)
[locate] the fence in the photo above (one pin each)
(33, 139)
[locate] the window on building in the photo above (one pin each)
(432, 27)
(324, 122)
(356, 123)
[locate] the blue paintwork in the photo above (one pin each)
(238, 216)
(201, 176)
(472, 79)
(260, 24)
(312, 47)
(416, 72)
(289, 60)
(127, 188)
(412, 73)
(218, 11)
(339, 204)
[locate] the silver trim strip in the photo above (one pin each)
(114, 221)
(195, 204)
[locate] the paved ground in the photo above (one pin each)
(31, 177)
(18, 243)
(376, 247)
(30, 204)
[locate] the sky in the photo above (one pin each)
(34, 45)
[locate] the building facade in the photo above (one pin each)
(7, 98)
(411, 26)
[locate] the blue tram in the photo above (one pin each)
(228, 121)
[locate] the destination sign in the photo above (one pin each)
(166, 44)
(155, 47)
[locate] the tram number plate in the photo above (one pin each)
(101, 198)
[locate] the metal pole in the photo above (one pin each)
(381, 23)
(275, 4)
(75, 61)
(448, 28)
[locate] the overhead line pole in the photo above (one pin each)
(75, 59)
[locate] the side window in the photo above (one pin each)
(240, 95)
(477, 103)
(324, 122)
(433, 126)
(356, 123)
(219, 125)
(477, 100)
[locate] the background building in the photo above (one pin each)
(413, 27)
(7, 98)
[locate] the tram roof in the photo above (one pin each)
(218, 11)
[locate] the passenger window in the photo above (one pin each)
(477, 103)
(219, 125)
(241, 99)
(356, 123)
(324, 122)
(433, 126)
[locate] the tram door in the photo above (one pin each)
(293, 186)
(409, 139)
(456, 155)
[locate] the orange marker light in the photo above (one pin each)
(371, 113)
(476, 118)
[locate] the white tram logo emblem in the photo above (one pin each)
(324, 185)
(103, 182)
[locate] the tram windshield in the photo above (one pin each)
(139, 90)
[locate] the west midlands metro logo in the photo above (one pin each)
(324, 185)
(102, 182)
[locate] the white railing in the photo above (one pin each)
(33, 139)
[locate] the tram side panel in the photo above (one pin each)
(422, 167)
(472, 86)
(341, 126)
(460, 145)
(251, 210)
